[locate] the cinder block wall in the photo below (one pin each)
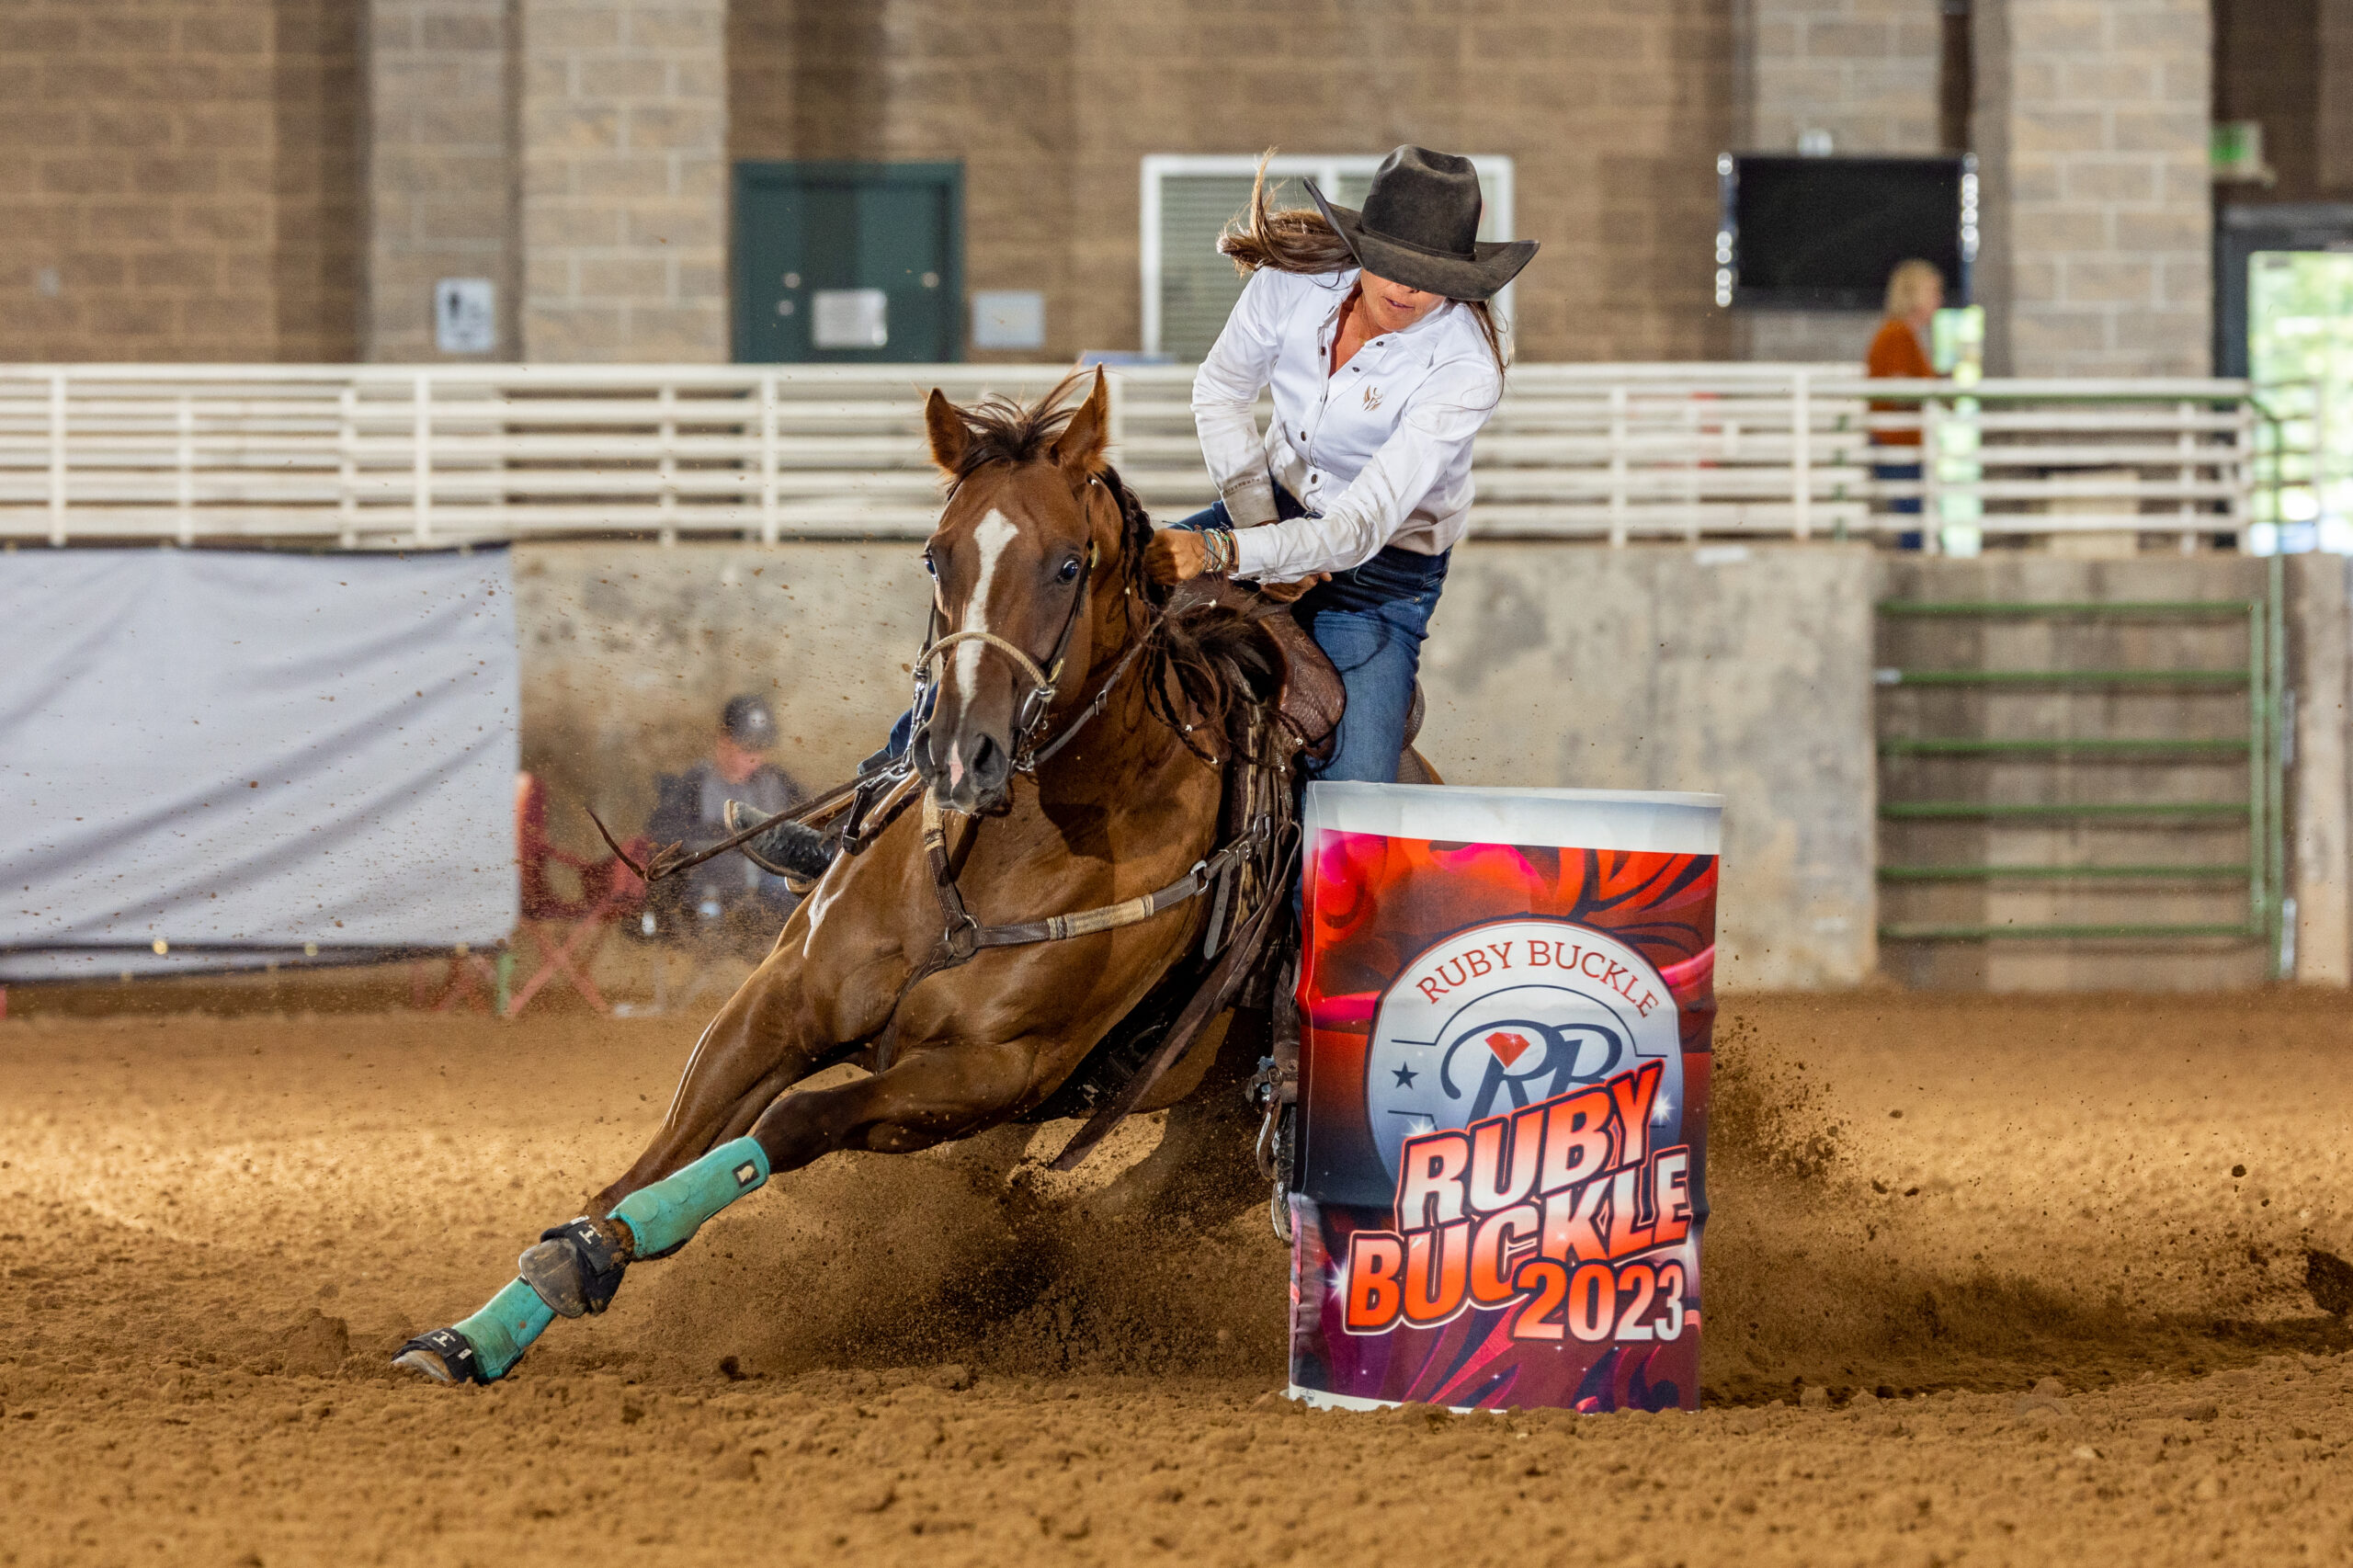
(1612, 113)
(624, 180)
(178, 180)
(2092, 124)
(1864, 71)
(441, 183)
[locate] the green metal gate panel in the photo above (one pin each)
(2259, 676)
(848, 263)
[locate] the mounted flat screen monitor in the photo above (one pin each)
(1823, 234)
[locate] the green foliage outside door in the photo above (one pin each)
(844, 263)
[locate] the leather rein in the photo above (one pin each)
(876, 799)
(965, 935)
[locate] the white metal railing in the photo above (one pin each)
(394, 456)
(2149, 456)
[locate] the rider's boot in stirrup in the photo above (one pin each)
(792, 850)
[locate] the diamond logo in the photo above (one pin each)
(1506, 1046)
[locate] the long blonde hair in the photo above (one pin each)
(1300, 239)
(1908, 282)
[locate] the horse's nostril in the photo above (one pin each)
(989, 762)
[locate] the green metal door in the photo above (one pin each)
(841, 263)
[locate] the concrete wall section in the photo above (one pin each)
(440, 186)
(623, 137)
(2319, 672)
(630, 651)
(1744, 671)
(2034, 712)
(1547, 664)
(2091, 130)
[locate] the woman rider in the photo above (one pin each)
(1373, 330)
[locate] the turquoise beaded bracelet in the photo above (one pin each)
(1223, 553)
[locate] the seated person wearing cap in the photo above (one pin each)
(729, 894)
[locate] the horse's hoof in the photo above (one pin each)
(444, 1354)
(426, 1361)
(552, 1271)
(576, 1267)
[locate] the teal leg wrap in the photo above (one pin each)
(665, 1214)
(504, 1329)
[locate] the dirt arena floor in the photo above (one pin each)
(1989, 1280)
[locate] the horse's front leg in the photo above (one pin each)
(772, 1033)
(767, 1037)
(930, 1096)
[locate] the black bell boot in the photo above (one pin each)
(792, 850)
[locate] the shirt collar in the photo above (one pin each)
(1422, 337)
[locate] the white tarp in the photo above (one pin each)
(244, 754)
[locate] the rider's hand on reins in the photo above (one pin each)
(1179, 555)
(1286, 592)
(1176, 555)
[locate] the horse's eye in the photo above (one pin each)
(1069, 573)
(931, 567)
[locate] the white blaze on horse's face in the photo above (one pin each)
(985, 567)
(992, 536)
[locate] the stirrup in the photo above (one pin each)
(792, 850)
(575, 1268)
(444, 1354)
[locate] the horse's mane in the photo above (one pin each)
(1007, 431)
(1206, 659)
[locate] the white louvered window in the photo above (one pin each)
(1188, 288)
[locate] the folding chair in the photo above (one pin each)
(473, 980)
(567, 932)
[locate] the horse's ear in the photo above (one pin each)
(1079, 448)
(951, 437)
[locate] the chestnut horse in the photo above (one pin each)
(1038, 566)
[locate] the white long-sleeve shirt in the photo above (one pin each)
(1379, 454)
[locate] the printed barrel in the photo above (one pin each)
(1507, 1001)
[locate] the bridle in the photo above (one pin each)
(1029, 717)
(964, 933)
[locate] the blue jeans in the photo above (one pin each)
(1904, 506)
(902, 734)
(1370, 619)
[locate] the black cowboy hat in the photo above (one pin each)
(1420, 227)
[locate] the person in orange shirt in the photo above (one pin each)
(1915, 291)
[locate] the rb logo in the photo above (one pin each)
(1508, 1014)
(1529, 1070)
